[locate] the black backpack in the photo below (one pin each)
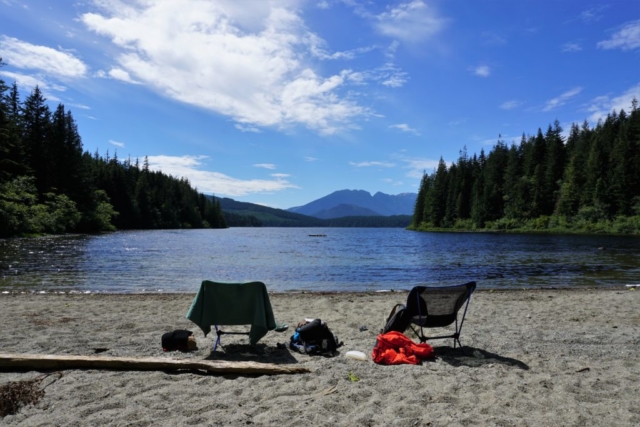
(398, 319)
(176, 340)
(315, 337)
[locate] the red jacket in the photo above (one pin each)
(394, 348)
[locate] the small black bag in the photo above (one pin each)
(315, 337)
(398, 319)
(176, 340)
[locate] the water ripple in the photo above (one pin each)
(287, 259)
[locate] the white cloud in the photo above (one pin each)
(627, 38)
(482, 70)
(80, 106)
(405, 128)
(29, 83)
(265, 165)
(116, 143)
(493, 39)
(310, 159)
(395, 81)
(571, 47)
(392, 182)
(562, 99)
(25, 55)
(603, 105)
(410, 22)
(457, 122)
(510, 105)
(280, 175)
(592, 15)
(419, 166)
(214, 182)
(388, 75)
(248, 63)
(122, 75)
(317, 47)
(244, 128)
(390, 51)
(369, 164)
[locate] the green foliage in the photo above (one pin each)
(49, 185)
(19, 212)
(590, 184)
(62, 213)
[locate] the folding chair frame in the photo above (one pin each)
(220, 333)
(455, 335)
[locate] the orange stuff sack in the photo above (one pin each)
(394, 348)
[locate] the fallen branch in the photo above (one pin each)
(50, 361)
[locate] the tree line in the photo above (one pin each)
(49, 184)
(588, 183)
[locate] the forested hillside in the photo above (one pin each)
(243, 214)
(588, 183)
(48, 184)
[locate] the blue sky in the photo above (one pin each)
(283, 102)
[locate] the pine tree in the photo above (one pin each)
(554, 168)
(438, 203)
(493, 191)
(35, 128)
(514, 205)
(418, 210)
(12, 155)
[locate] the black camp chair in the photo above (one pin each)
(436, 307)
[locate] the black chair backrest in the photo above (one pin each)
(437, 306)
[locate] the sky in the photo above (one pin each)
(282, 102)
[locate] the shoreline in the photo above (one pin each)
(532, 357)
(372, 292)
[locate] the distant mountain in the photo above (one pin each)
(358, 203)
(343, 210)
(243, 214)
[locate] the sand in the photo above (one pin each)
(533, 358)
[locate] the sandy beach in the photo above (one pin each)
(532, 358)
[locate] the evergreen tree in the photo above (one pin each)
(514, 204)
(478, 206)
(12, 157)
(592, 181)
(464, 186)
(35, 128)
(493, 189)
(554, 168)
(438, 203)
(418, 210)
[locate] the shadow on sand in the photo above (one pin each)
(475, 357)
(253, 353)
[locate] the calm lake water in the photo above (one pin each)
(290, 259)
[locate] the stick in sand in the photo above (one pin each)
(51, 361)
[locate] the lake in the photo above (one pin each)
(291, 259)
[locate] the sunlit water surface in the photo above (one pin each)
(290, 259)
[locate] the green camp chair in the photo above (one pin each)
(218, 303)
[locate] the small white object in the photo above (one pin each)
(358, 355)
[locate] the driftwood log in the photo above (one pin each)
(51, 361)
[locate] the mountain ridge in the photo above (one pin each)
(334, 205)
